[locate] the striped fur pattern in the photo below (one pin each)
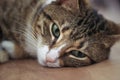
(59, 33)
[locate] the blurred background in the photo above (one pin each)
(110, 9)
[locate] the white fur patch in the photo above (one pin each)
(54, 54)
(49, 1)
(9, 47)
(41, 54)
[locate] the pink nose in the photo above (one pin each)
(49, 59)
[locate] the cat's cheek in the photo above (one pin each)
(41, 54)
(61, 62)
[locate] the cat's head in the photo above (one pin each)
(70, 33)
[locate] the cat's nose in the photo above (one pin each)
(50, 59)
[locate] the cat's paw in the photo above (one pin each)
(3, 56)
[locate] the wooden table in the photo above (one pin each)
(31, 70)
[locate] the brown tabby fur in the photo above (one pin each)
(86, 30)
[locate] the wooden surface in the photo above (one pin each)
(31, 70)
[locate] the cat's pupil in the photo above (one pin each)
(77, 54)
(55, 31)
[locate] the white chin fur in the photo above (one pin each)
(44, 54)
(56, 64)
(41, 55)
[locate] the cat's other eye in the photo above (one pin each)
(77, 54)
(55, 31)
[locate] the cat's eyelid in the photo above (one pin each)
(78, 58)
(71, 49)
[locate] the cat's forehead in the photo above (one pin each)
(59, 13)
(82, 25)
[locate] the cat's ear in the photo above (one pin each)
(114, 34)
(109, 41)
(74, 5)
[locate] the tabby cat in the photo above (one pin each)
(57, 33)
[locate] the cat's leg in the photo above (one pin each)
(13, 50)
(3, 56)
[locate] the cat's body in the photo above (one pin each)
(18, 14)
(63, 33)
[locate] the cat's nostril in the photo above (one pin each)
(49, 59)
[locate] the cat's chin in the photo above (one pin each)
(48, 64)
(41, 55)
(55, 64)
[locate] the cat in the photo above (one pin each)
(61, 33)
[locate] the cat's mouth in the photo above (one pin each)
(49, 58)
(45, 63)
(53, 61)
(53, 64)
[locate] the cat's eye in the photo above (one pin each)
(77, 54)
(55, 31)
